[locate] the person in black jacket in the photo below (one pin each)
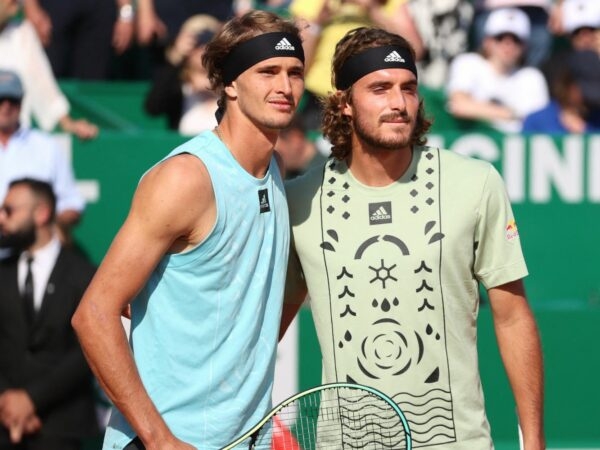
(181, 89)
(46, 387)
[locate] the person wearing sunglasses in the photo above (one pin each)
(47, 396)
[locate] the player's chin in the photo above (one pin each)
(281, 121)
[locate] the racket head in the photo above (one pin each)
(331, 416)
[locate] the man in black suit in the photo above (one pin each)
(46, 387)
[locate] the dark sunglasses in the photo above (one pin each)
(8, 209)
(13, 101)
(513, 37)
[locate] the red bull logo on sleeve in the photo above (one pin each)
(511, 230)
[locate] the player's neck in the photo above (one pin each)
(251, 147)
(379, 168)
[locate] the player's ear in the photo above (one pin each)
(345, 105)
(231, 90)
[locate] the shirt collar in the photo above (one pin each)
(45, 255)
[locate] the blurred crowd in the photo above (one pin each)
(497, 61)
(518, 66)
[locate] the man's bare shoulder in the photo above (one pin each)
(181, 175)
(176, 195)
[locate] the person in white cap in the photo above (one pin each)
(540, 14)
(492, 86)
(581, 22)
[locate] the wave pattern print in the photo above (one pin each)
(430, 416)
(351, 420)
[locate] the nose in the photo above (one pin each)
(284, 84)
(397, 100)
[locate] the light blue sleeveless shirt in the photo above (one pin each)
(205, 326)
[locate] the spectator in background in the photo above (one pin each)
(22, 52)
(327, 21)
(539, 13)
(567, 112)
(77, 34)
(181, 89)
(32, 153)
(492, 86)
(159, 22)
(443, 26)
(295, 149)
(46, 390)
(580, 22)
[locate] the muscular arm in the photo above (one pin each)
(520, 349)
(173, 208)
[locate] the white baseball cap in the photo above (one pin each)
(508, 20)
(580, 13)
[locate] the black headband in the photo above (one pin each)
(259, 48)
(371, 60)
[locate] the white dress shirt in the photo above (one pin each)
(44, 260)
(36, 154)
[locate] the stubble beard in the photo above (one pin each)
(382, 143)
(19, 240)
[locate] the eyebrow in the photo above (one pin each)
(298, 66)
(384, 83)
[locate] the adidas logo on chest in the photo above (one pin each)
(380, 213)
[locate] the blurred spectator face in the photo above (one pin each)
(581, 21)
(195, 72)
(10, 108)
(506, 31)
(295, 149)
(506, 49)
(585, 38)
(17, 219)
(8, 8)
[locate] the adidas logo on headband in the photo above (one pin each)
(373, 59)
(284, 44)
(394, 57)
(276, 44)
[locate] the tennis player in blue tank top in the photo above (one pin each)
(201, 261)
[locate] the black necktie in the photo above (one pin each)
(28, 292)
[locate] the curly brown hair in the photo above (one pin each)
(336, 126)
(234, 32)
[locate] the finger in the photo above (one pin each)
(16, 432)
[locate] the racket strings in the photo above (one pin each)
(334, 420)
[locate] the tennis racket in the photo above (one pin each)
(337, 416)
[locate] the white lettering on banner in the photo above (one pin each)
(513, 168)
(594, 169)
(537, 169)
(477, 146)
(551, 169)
